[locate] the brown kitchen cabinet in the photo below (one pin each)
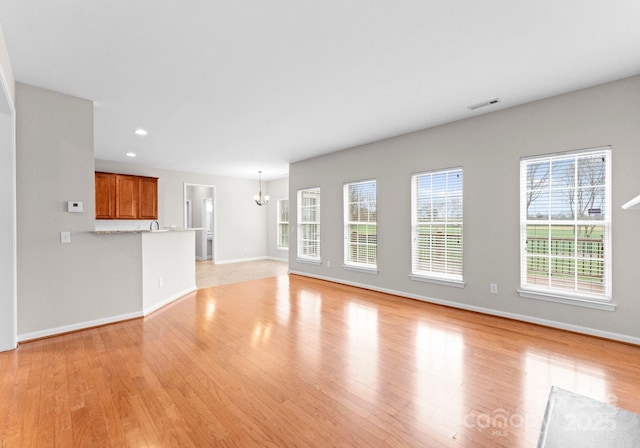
(105, 196)
(123, 196)
(148, 198)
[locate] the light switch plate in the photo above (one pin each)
(65, 237)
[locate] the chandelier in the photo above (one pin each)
(259, 198)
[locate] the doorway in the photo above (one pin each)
(199, 212)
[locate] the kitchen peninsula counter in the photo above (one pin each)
(167, 263)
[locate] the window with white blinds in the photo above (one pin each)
(360, 225)
(283, 224)
(436, 225)
(309, 224)
(565, 218)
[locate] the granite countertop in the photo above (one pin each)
(125, 231)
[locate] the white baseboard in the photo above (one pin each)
(198, 258)
(521, 317)
(168, 300)
(78, 326)
(105, 321)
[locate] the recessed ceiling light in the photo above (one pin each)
(140, 131)
(131, 154)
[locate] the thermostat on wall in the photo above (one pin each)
(74, 207)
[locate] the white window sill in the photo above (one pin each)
(309, 260)
(282, 249)
(438, 281)
(365, 269)
(567, 300)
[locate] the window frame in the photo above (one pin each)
(301, 225)
(433, 276)
(280, 222)
(348, 263)
(574, 296)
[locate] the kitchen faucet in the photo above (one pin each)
(151, 225)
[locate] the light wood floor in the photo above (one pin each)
(292, 361)
(209, 274)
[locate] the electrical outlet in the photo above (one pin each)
(328, 264)
(160, 281)
(65, 237)
(493, 288)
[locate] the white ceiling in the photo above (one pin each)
(232, 87)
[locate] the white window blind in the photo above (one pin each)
(283, 224)
(565, 217)
(360, 224)
(436, 224)
(309, 224)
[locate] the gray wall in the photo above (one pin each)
(239, 237)
(489, 148)
(277, 189)
(93, 278)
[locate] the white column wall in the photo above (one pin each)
(8, 260)
(168, 267)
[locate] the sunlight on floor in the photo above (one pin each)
(209, 274)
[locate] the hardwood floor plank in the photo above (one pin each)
(293, 361)
(19, 411)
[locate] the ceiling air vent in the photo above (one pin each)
(484, 104)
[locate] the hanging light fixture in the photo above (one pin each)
(259, 198)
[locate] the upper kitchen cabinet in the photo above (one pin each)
(122, 196)
(126, 197)
(148, 198)
(105, 196)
